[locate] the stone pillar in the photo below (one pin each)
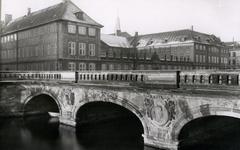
(159, 144)
(66, 118)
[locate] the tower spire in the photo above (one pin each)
(118, 26)
(0, 16)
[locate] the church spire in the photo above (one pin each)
(118, 26)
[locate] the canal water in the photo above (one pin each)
(44, 133)
(211, 133)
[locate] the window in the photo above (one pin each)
(92, 67)
(71, 28)
(111, 67)
(234, 54)
(197, 58)
(196, 46)
(104, 67)
(204, 47)
(71, 48)
(71, 66)
(82, 66)
(204, 59)
(82, 49)
(91, 32)
(82, 30)
(92, 49)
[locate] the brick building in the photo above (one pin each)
(60, 37)
(174, 50)
(63, 37)
(234, 48)
(183, 49)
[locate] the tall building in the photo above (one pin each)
(60, 37)
(234, 48)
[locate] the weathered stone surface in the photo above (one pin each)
(163, 113)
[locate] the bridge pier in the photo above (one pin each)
(67, 119)
(159, 144)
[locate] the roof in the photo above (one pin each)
(123, 34)
(115, 41)
(174, 37)
(61, 11)
(235, 43)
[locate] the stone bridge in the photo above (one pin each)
(161, 112)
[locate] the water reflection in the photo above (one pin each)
(211, 133)
(117, 135)
(43, 133)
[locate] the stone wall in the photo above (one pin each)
(162, 113)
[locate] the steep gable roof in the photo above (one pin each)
(61, 11)
(115, 41)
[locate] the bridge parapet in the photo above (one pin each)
(140, 78)
(153, 79)
(209, 78)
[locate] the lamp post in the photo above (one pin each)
(135, 51)
(0, 31)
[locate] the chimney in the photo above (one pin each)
(8, 18)
(136, 34)
(135, 40)
(29, 11)
(192, 28)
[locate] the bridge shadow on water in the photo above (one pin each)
(107, 126)
(211, 133)
(110, 135)
(44, 133)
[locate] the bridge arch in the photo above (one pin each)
(198, 113)
(125, 105)
(52, 100)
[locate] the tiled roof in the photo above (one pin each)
(174, 37)
(61, 11)
(115, 41)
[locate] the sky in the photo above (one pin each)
(218, 17)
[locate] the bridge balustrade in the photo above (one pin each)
(105, 76)
(29, 76)
(209, 78)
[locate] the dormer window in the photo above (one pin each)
(197, 38)
(165, 40)
(184, 39)
(79, 15)
(150, 42)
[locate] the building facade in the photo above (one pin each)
(116, 53)
(182, 49)
(234, 48)
(174, 50)
(61, 37)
